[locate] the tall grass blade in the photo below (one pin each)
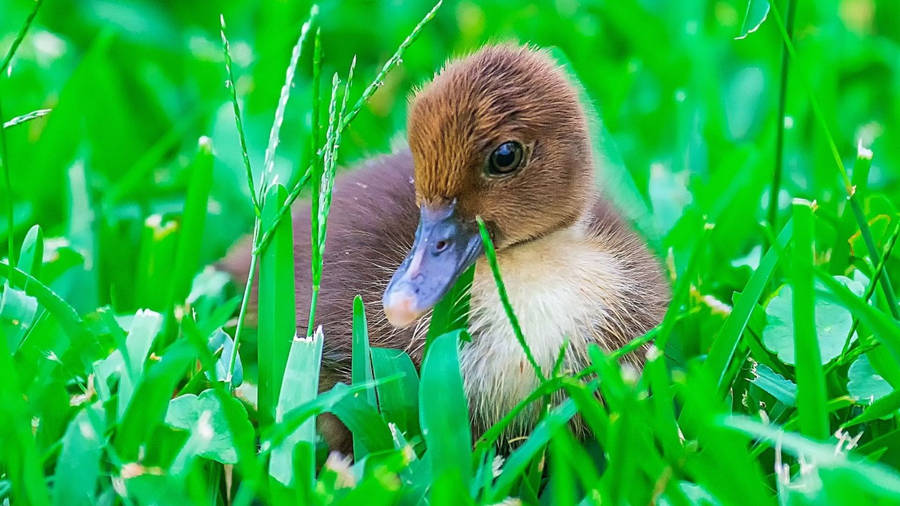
(20, 36)
(519, 460)
(491, 255)
(10, 203)
(444, 417)
(277, 307)
(319, 213)
(775, 189)
(193, 222)
(67, 316)
(31, 258)
(452, 311)
(397, 400)
(300, 386)
(20, 458)
(863, 163)
(862, 157)
(361, 363)
(725, 344)
(78, 465)
(811, 395)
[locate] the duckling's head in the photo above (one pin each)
(501, 135)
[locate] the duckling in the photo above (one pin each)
(499, 134)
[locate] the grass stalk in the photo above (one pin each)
(245, 303)
(491, 255)
(239, 123)
(25, 118)
(269, 160)
(376, 83)
(20, 36)
(780, 128)
(862, 157)
(10, 204)
(862, 166)
(811, 393)
(317, 211)
(870, 290)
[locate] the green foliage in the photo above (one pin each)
(773, 378)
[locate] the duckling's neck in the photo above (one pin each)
(560, 287)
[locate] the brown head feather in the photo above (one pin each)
(499, 94)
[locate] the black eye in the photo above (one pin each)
(505, 159)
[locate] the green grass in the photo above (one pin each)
(139, 141)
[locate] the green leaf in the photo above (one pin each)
(725, 344)
(193, 221)
(221, 345)
(833, 323)
(153, 392)
(519, 459)
(300, 386)
(811, 393)
(884, 328)
(756, 13)
(370, 431)
(276, 306)
(784, 390)
(17, 315)
(887, 405)
(361, 366)
(31, 257)
(865, 475)
(204, 419)
(398, 400)
(864, 383)
(444, 417)
(78, 465)
(452, 311)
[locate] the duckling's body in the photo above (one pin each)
(573, 269)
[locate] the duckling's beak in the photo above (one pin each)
(444, 247)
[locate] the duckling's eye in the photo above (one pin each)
(505, 159)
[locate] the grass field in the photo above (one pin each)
(753, 145)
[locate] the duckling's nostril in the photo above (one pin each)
(440, 246)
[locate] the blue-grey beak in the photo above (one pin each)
(444, 248)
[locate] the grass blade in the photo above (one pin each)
(277, 306)
(193, 221)
(491, 255)
(66, 314)
(811, 395)
(726, 343)
(518, 460)
(361, 364)
(300, 386)
(444, 417)
(31, 258)
(153, 282)
(452, 311)
(397, 400)
(78, 466)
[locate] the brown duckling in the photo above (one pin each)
(499, 134)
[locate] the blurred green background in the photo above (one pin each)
(133, 84)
